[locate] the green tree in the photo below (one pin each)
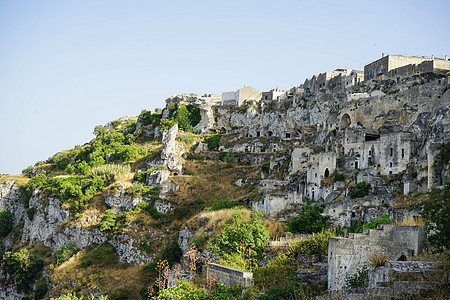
(309, 220)
(108, 220)
(6, 223)
(361, 189)
(253, 234)
(65, 252)
(24, 266)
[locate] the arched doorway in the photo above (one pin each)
(346, 121)
(327, 173)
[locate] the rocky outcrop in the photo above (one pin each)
(160, 179)
(169, 154)
(120, 202)
(184, 239)
(10, 200)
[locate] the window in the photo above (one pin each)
(403, 153)
(390, 165)
(392, 151)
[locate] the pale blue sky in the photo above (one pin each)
(67, 66)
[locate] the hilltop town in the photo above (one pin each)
(356, 147)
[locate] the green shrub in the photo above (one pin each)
(139, 189)
(148, 118)
(187, 116)
(184, 290)
(361, 189)
(227, 157)
(200, 242)
(172, 253)
(338, 177)
(108, 220)
(373, 224)
(166, 124)
(213, 142)
(359, 279)
(265, 168)
(222, 203)
(6, 223)
(65, 252)
(315, 245)
(40, 290)
(436, 209)
(253, 234)
(193, 156)
(101, 256)
(309, 220)
(24, 266)
(282, 293)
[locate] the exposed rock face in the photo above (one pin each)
(46, 226)
(121, 202)
(127, 249)
(10, 200)
(168, 155)
(184, 239)
(160, 179)
(163, 206)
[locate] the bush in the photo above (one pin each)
(282, 293)
(24, 266)
(187, 116)
(108, 220)
(213, 142)
(253, 234)
(378, 259)
(184, 290)
(222, 203)
(73, 296)
(65, 252)
(361, 189)
(6, 223)
(172, 253)
(309, 220)
(316, 245)
(227, 157)
(359, 279)
(436, 209)
(40, 291)
(148, 118)
(100, 256)
(373, 224)
(265, 168)
(338, 177)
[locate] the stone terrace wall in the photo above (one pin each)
(229, 276)
(345, 255)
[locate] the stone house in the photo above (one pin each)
(240, 96)
(272, 95)
(397, 67)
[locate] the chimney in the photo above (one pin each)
(432, 56)
(383, 54)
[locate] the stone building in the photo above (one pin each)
(240, 96)
(272, 95)
(346, 255)
(331, 82)
(397, 67)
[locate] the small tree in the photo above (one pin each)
(309, 220)
(6, 223)
(252, 233)
(108, 220)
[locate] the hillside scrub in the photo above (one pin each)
(309, 220)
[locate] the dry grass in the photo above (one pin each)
(215, 220)
(18, 179)
(378, 259)
(112, 279)
(209, 180)
(275, 229)
(411, 221)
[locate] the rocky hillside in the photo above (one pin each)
(95, 219)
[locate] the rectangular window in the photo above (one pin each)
(392, 151)
(403, 153)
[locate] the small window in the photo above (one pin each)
(392, 151)
(403, 153)
(258, 134)
(315, 175)
(288, 135)
(390, 172)
(390, 165)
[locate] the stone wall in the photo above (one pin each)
(345, 255)
(229, 276)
